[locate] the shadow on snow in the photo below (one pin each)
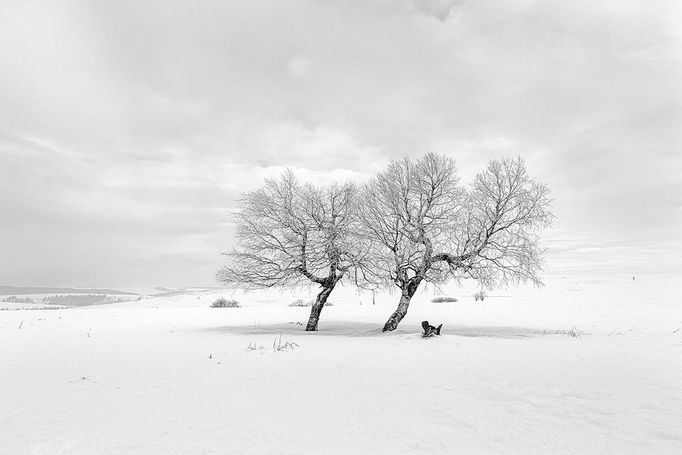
(366, 329)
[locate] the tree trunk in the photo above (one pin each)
(317, 308)
(400, 312)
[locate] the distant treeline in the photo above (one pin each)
(82, 300)
(15, 299)
(75, 300)
(23, 290)
(69, 300)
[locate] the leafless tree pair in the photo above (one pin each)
(412, 223)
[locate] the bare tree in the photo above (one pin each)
(497, 243)
(290, 234)
(408, 211)
(426, 227)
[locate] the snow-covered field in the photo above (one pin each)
(580, 366)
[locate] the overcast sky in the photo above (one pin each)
(129, 128)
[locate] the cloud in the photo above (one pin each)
(130, 128)
(298, 67)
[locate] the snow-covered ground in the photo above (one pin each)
(580, 366)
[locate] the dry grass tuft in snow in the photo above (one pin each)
(300, 303)
(572, 332)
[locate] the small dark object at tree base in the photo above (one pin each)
(430, 330)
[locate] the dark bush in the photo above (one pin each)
(222, 303)
(301, 303)
(443, 299)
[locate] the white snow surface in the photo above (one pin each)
(581, 366)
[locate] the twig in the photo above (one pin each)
(278, 346)
(253, 346)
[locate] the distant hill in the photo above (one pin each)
(23, 290)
